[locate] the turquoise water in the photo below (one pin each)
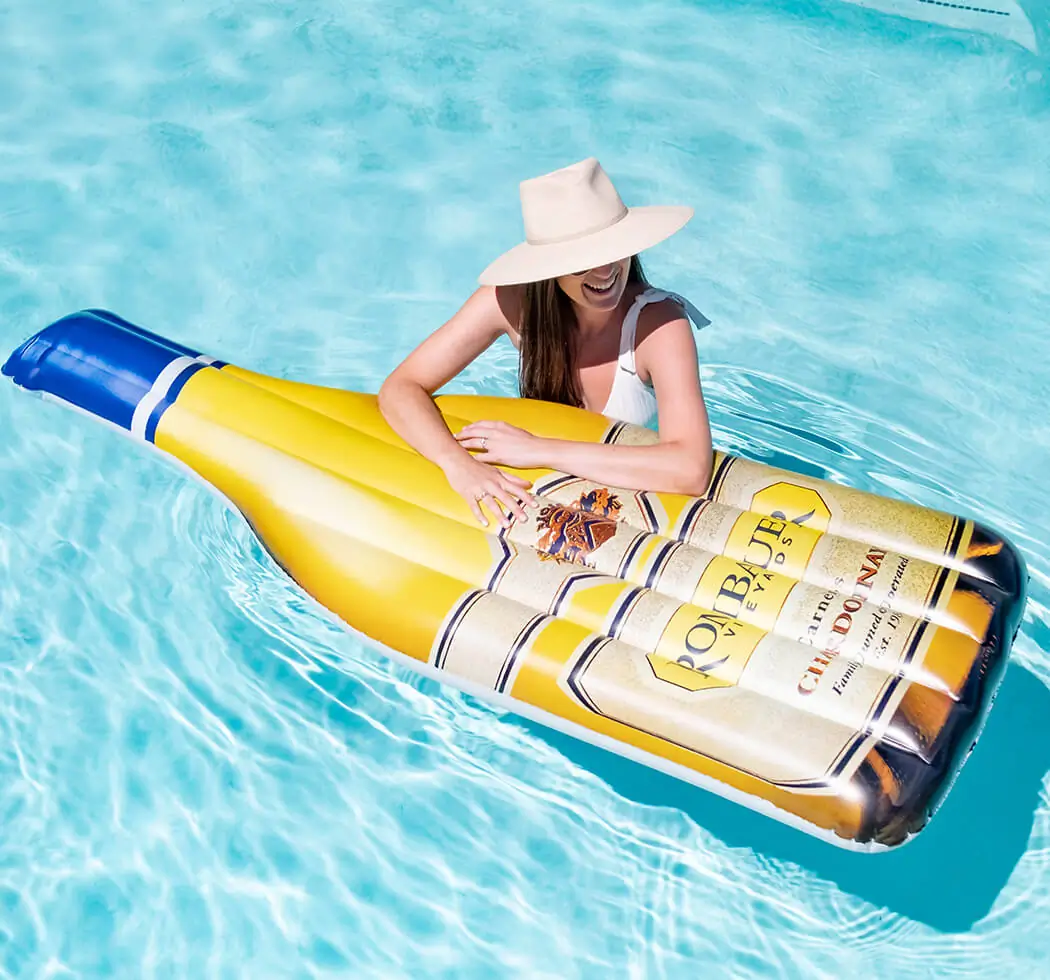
(200, 775)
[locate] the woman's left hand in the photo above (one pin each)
(498, 442)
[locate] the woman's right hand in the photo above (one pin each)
(482, 483)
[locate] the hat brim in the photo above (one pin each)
(639, 229)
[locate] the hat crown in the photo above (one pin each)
(569, 203)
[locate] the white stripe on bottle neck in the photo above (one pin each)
(159, 390)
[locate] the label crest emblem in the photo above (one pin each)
(571, 533)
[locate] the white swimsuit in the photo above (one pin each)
(631, 399)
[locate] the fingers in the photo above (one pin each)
(502, 500)
(475, 430)
(479, 430)
(499, 496)
(471, 437)
(491, 502)
(510, 499)
(478, 513)
(518, 489)
(519, 480)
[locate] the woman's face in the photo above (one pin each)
(599, 289)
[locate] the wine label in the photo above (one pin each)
(896, 581)
(778, 678)
(823, 506)
(893, 524)
(692, 677)
(735, 710)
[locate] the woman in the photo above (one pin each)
(600, 338)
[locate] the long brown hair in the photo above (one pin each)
(548, 345)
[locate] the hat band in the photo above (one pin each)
(579, 234)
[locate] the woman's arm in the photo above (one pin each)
(406, 402)
(679, 463)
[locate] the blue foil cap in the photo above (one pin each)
(109, 367)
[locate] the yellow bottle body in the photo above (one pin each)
(783, 640)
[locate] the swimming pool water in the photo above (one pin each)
(201, 775)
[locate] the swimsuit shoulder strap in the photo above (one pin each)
(630, 322)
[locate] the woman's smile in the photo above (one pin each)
(599, 289)
(603, 288)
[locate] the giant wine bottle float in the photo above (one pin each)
(819, 653)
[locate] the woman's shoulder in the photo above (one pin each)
(665, 330)
(660, 309)
(508, 300)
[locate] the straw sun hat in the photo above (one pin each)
(575, 220)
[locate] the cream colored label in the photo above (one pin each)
(824, 701)
(886, 580)
(745, 726)
(861, 619)
(872, 573)
(822, 505)
(871, 600)
(482, 637)
(729, 655)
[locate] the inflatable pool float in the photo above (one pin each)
(1002, 18)
(819, 653)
